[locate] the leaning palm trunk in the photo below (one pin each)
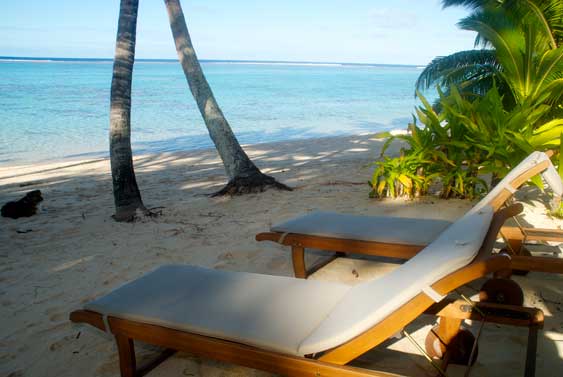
(243, 175)
(126, 193)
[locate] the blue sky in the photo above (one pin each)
(362, 31)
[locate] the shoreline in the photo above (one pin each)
(72, 160)
(99, 156)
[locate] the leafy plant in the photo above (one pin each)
(462, 183)
(465, 140)
(500, 104)
(557, 204)
(401, 176)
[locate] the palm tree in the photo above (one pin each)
(547, 15)
(531, 65)
(521, 53)
(243, 175)
(126, 193)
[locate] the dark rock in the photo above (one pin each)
(25, 207)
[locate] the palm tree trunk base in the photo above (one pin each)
(133, 213)
(253, 183)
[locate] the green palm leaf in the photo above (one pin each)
(457, 68)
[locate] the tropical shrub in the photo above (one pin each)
(464, 141)
(402, 176)
(501, 103)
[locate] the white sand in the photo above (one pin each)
(73, 252)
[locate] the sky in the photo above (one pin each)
(352, 31)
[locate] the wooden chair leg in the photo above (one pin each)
(514, 239)
(126, 351)
(458, 342)
(515, 245)
(531, 352)
(439, 339)
(298, 258)
(448, 329)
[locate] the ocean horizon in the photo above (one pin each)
(45, 59)
(57, 108)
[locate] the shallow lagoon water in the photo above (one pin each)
(56, 109)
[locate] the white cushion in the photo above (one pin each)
(367, 304)
(395, 230)
(270, 312)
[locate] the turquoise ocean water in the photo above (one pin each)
(57, 109)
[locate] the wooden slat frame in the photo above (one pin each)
(401, 251)
(551, 265)
(217, 349)
(532, 234)
(518, 316)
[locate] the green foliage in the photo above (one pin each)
(471, 70)
(502, 102)
(462, 142)
(461, 182)
(522, 53)
(401, 176)
(545, 15)
(557, 204)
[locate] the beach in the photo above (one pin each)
(72, 252)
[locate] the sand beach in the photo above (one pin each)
(72, 252)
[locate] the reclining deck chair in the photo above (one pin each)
(401, 237)
(298, 327)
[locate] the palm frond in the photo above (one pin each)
(546, 14)
(446, 70)
(550, 68)
(470, 4)
(509, 42)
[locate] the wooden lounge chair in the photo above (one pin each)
(402, 238)
(297, 327)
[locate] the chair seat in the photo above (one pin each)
(385, 229)
(270, 312)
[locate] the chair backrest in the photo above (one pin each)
(549, 174)
(368, 303)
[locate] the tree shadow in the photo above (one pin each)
(74, 250)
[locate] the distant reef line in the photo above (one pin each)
(40, 59)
